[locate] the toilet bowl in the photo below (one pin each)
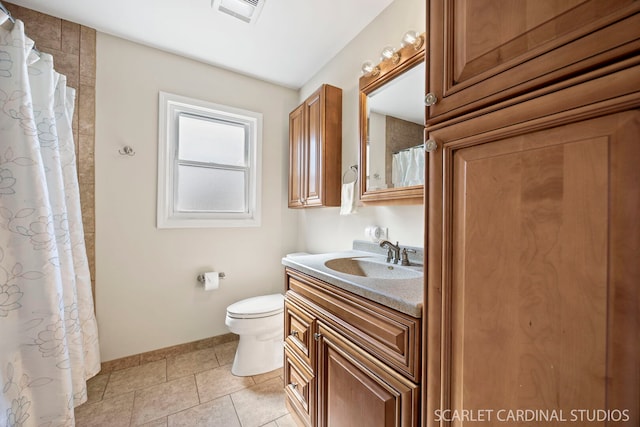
(259, 321)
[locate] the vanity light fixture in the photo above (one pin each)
(389, 53)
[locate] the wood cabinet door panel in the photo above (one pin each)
(540, 302)
(356, 390)
(483, 52)
(296, 156)
(313, 158)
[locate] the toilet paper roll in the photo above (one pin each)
(374, 233)
(211, 280)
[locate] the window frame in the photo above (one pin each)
(171, 107)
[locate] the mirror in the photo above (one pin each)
(392, 157)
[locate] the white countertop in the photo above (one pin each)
(403, 295)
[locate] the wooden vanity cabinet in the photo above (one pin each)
(315, 150)
(348, 361)
(494, 53)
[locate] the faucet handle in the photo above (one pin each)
(405, 256)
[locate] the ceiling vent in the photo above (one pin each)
(245, 10)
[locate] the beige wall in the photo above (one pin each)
(147, 296)
(324, 229)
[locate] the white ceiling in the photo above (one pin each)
(289, 43)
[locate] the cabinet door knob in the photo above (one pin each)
(430, 99)
(317, 336)
(294, 334)
(293, 385)
(430, 145)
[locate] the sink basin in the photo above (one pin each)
(364, 267)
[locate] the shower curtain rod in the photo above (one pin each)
(13, 21)
(4, 9)
(409, 148)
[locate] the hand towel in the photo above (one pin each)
(348, 200)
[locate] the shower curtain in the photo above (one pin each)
(407, 167)
(48, 331)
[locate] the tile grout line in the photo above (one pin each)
(195, 378)
(235, 409)
(133, 405)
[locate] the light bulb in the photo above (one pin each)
(367, 67)
(412, 38)
(387, 53)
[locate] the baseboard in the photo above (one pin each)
(163, 353)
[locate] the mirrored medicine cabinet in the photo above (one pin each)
(392, 111)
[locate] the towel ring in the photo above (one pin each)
(354, 169)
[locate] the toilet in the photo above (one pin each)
(259, 321)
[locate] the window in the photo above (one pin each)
(209, 158)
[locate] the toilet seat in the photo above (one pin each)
(257, 307)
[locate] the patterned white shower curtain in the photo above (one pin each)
(48, 331)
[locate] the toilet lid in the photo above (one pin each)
(262, 306)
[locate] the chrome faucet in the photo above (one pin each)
(393, 251)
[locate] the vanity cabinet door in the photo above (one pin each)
(533, 289)
(485, 52)
(354, 389)
(315, 150)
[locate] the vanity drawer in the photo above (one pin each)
(299, 387)
(298, 329)
(391, 336)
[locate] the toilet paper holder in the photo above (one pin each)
(201, 276)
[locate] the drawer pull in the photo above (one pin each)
(317, 336)
(293, 385)
(294, 334)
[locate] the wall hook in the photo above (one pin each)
(127, 151)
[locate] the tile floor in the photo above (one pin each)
(193, 389)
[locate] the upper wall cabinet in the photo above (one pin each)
(489, 53)
(315, 150)
(392, 156)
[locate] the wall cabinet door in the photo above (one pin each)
(485, 52)
(296, 156)
(356, 390)
(315, 150)
(534, 296)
